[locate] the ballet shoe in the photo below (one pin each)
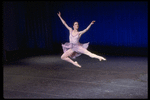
(76, 64)
(101, 58)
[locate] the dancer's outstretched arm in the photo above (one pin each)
(59, 15)
(82, 32)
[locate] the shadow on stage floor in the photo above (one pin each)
(48, 76)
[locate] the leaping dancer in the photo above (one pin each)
(74, 48)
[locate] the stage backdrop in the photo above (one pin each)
(36, 24)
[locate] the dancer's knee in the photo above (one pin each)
(62, 57)
(92, 55)
(66, 54)
(89, 53)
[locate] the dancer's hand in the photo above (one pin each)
(59, 14)
(92, 22)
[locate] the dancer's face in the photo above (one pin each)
(76, 25)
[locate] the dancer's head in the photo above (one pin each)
(76, 25)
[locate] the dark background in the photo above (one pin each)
(33, 28)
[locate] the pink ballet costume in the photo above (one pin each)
(74, 44)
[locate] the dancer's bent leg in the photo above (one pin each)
(92, 55)
(66, 58)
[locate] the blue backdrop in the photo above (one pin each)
(117, 23)
(36, 24)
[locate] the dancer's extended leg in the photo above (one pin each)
(66, 58)
(92, 55)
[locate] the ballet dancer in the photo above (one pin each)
(74, 48)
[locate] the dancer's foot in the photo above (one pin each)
(76, 64)
(101, 58)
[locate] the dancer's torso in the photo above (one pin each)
(74, 39)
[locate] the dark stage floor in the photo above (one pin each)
(50, 77)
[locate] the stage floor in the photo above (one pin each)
(48, 76)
